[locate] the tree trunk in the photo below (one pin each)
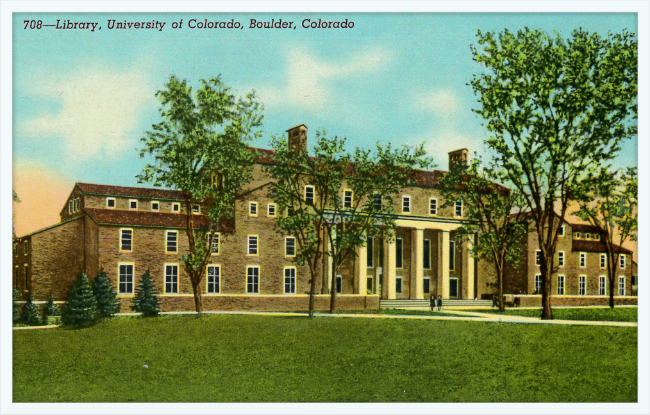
(333, 287)
(198, 298)
(502, 304)
(547, 311)
(312, 290)
(611, 273)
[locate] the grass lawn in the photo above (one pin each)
(422, 313)
(590, 314)
(247, 358)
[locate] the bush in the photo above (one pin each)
(30, 313)
(107, 302)
(145, 301)
(16, 306)
(50, 309)
(82, 306)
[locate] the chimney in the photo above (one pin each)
(297, 138)
(458, 156)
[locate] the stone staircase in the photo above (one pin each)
(425, 303)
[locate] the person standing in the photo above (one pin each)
(432, 302)
(439, 302)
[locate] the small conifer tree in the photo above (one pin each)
(145, 300)
(51, 309)
(107, 302)
(16, 306)
(82, 306)
(30, 313)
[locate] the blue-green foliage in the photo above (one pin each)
(30, 313)
(16, 307)
(82, 306)
(145, 301)
(107, 302)
(50, 309)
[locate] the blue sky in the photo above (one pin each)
(83, 99)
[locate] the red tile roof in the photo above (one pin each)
(144, 218)
(595, 246)
(154, 193)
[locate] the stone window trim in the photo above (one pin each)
(289, 281)
(621, 261)
(25, 277)
(271, 210)
(155, 205)
(433, 206)
(538, 257)
(406, 204)
(216, 237)
(561, 285)
(167, 247)
(603, 261)
(602, 285)
(621, 286)
(377, 202)
(176, 283)
(348, 198)
(121, 239)
(175, 207)
(25, 247)
(426, 285)
(108, 203)
(252, 208)
(253, 245)
(120, 293)
(452, 255)
(399, 253)
(583, 260)
(196, 211)
(560, 259)
(426, 254)
(399, 285)
(252, 285)
(215, 284)
(131, 201)
(309, 193)
(577, 235)
(538, 283)
(562, 231)
(458, 209)
(287, 246)
(582, 285)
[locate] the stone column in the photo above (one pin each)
(443, 264)
(467, 276)
(362, 268)
(389, 269)
(417, 264)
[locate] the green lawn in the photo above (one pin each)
(421, 313)
(246, 358)
(590, 314)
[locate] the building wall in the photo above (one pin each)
(122, 203)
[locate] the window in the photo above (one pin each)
(538, 257)
(196, 209)
(458, 208)
(25, 248)
(452, 255)
(370, 251)
(133, 204)
(215, 243)
(560, 284)
(398, 285)
(601, 285)
(77, 205)
(577, 234)
(538, 284)
(347, 199)
(339, 284)
(603, 260)
(290, 246)
(561, 232)
(377, 201)
(171, 279)
(583, 259)
(70, 206)
(290, 280)
(15, 249)
(622, 261)
(587, 236)
(426, 285)
(560, 259)
(214, 273)
(427, 254)
(399, 253)
(176, 207)
(252, 245)
(25, 279)
(126, 240)
(621, 285)
(253, 281)
(125, 278)
(110, 202)
(270, 212)
(171, 241)
(433, 206)
(155, 205)
(252, 209)
(309, 194)
(583, 285)
(369, 285)
(597, 236)
(406, 204)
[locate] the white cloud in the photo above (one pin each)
(443, 103)
(99, 109)
(439, 142)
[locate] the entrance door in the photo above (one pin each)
(453, 287)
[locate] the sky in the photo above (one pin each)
(82, 99)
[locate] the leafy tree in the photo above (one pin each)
(16, 306)
(145, 300)
(554, 107)
(81, 307)
(107, 302)
(51, 309)
(328, 218)
(494, 227)
(30, 313)
(609, 200)
(200, 148)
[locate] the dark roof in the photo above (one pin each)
(153, 193)
(151, 219)
(584, 228)
(293, 128)
(595, 246)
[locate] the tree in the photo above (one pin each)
(200, 148)
(16, 306)
(51, 309)
(81, 307)
(107, 302)
(553, 108)
(328, 215)
(30, 313)
(609, 200)
(146, 301)
(494, 227)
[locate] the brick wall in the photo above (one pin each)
(536, 300)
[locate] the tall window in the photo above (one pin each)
(621, 285)
(538, 257)
(399, 252)
(560, 259)
(252, 245)
(252, 208)
(347, 198)
(458, 208)
(406, 204)
(253, 283)
(377, 201)
(290, 280)
(427, 254)
(538, 284)
(126, 240)
(370, 250)
(398, 285)
(290, 246)
(583, 259)
(622, 261)
(214, 274)
(602, 285)
(426, 285)
(452, 255)
(125, 285)
(70, 206)
(25, 274)
(561, 233)
(171, 242)
(25, 248)
(271, 210)
(603, 260)
(583, 285)
(339, 284)
(309, 194)
(588, 236)
(215, 243)
(560, 284)
(171, 279)
(433, 206)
